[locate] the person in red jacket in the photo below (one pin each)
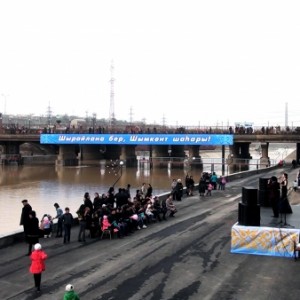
(37, 266)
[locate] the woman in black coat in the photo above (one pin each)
(178, 190)
(274, 195)
(202, 186)
(284, 205)
(33, 232)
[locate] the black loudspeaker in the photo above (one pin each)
(263, 198)
(249, 196)
(249, 215)
(242, 213)
(263, 183)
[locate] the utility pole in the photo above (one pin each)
(164, 120)
(131, 115)
(112, 97)
(286, 115)
(4, 106)
(49, 114)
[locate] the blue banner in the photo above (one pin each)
(138, 139)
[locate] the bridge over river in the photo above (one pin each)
(155, 149)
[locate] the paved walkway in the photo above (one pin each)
(17, 283)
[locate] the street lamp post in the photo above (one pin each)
(5, 99)
(169, 152)
(169, 163)
(94, 122)
(193, 160)
(229, 162)
(120, 169)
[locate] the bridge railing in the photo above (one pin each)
(16, 128)
(213, 164)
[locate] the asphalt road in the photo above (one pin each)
(186, 257)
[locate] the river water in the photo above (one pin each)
(45, 185)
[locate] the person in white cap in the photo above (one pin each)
(37, 266)
(70, 294)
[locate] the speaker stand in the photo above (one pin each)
(284, 224)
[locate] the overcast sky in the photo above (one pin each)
(185, 62)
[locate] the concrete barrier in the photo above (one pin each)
(11, 239)
(251, 172)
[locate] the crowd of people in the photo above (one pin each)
(207, 183)
(117, 211)
(20, 128)
(126, 213)
(122, 214)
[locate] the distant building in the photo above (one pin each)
(78, 124)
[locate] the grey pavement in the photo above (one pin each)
(186, 257)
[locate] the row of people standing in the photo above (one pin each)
(207, 183)
(34, 230)
(278, 195)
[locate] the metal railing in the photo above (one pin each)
(23, 126)
(210, 164)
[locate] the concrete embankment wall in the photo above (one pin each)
(11, 239)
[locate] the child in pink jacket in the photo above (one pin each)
(105, 223)
(37, 266)
(209, 189)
